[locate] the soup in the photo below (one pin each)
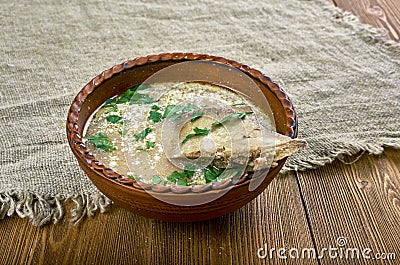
(189, 133)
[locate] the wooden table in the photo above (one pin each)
(358, 203)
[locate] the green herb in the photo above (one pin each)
(230, 173)
(150, 144)
(110, 106)
(189, 170)
(133, 97)
(197, 114)
(114, 118)
(181, 178)
(142, 134)
(189, 107)
(101, 142)
(132, 177)
(238, 104)
(111, 109)
(138, 98)
(189, 167)
(141, 87)
(182, 182)
(211, 173)
(157, 180)
(237, 115)
(123, 132)
(155, 107)
(126, 97)
(155, 116)
(197, 132)
(174, 112)
(176, 176)
(167, 110)
(109, 101)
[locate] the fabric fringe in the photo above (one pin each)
(348, 149)
(371, 35)
(42, 210)
(368, 32)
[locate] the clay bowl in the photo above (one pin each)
(139, 197)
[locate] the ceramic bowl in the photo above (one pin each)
(138, 197)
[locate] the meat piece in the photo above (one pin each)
(239, 142)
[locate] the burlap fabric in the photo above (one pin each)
(342, 76)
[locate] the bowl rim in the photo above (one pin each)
(80, 151)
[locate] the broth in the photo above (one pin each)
(189, 133)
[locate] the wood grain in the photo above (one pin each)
(276, 218)
(360, 202)
(378, 13)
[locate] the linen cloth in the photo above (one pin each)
(342, 76)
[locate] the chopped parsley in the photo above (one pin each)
(138, 98)
(126, 97)
(114, 118)
(238, 104)
(150, 144)
(123, 132)
(157, 180)
(132, 177)
(237, 115)
(167, 110)
(181, 178)
(175, 176)
(211, 173)
(142, 134)
(230, 173)
(110, 105)
(197, 114)
(110, 101)
(101, 142)
(174, 112)
(131, 96)
(155, 116)
(189, 170)
(197, 132)
(141, 87)
(182, 182)
(155, 107)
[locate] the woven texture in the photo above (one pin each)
(342, 76)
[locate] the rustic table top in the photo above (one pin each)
(351, 205)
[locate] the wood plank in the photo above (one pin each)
(276, 218)
(378, 13)
(360, 202)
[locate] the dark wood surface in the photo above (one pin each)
(359, 202)
(378, 13)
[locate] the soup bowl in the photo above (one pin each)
(154, 200)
